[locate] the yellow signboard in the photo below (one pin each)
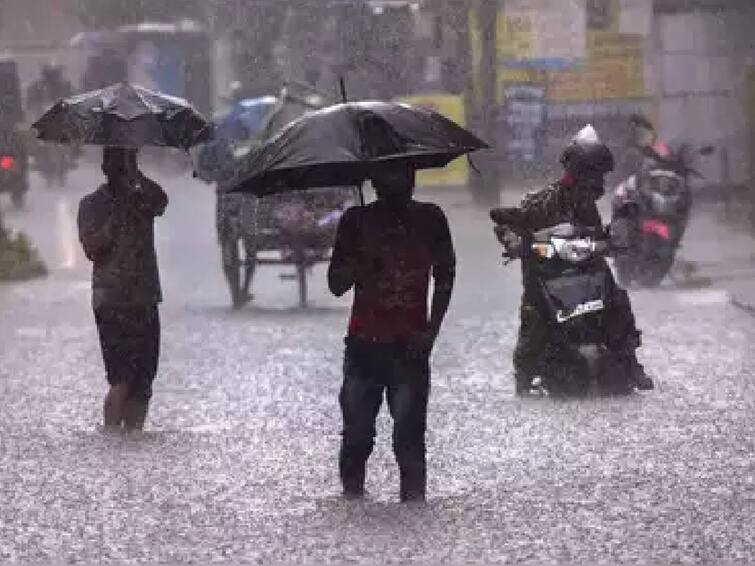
(614, 67)
(609, 66)
(599, 78)
(452, 107)
(514, 36)
(520, 75)
(608, 44)
(604, 37)
(541, 30)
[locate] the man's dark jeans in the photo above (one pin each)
(370, 370)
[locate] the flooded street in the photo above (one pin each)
(239, 456)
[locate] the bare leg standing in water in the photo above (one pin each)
(113, 407)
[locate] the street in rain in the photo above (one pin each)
(230, 231)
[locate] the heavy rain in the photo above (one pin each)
(377, 281)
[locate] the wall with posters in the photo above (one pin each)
(541, 33)
(605, 60)
(599, 75)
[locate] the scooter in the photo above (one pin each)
(573, 289)
(651, 208)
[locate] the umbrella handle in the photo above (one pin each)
(361, 194)
(342, 84)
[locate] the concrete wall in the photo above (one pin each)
(700, 58)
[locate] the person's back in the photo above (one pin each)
(387, 252)
(399, 248)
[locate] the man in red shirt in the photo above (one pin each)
(387, 252)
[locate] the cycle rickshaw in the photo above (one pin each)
(292, 229)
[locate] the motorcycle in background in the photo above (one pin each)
(651, 210)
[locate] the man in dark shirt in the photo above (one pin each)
(572, 199)
(116, 229)
(387, 252)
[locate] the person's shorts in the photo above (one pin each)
(130, 343)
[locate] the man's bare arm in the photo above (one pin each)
(444, 274)
(342, 271)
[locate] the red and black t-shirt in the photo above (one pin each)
(393, 251)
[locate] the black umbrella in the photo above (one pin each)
(124, 115)
(340, 145)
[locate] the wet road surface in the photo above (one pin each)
(238, 461)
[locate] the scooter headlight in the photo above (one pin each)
(574, 251)
(543, 251)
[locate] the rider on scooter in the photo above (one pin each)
(586, 162)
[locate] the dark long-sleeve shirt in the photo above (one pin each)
(390, 254)
(556, 204)
(116, 229)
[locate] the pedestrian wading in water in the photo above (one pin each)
(387, 252)
(116, 229)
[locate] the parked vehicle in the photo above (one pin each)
(651, 209)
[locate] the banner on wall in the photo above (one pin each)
(521, 122)
(612, 64)
(600, 78)
(541, 33)
(452, 107)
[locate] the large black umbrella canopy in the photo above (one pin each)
(124, 115)
(340, 145)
